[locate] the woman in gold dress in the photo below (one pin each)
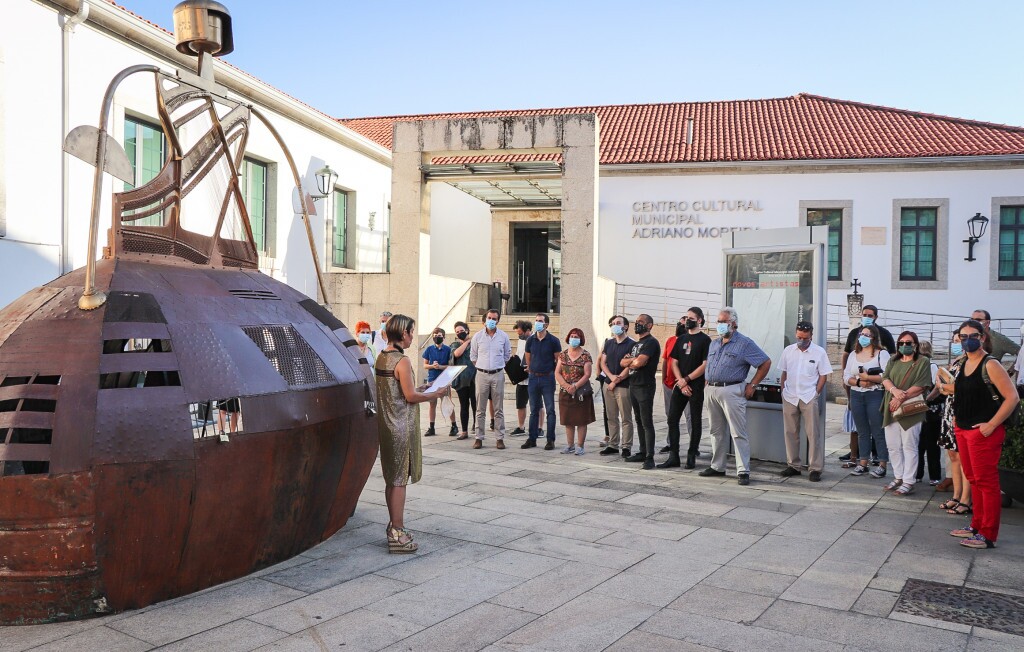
(398, 422)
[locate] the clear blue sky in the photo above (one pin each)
(363, 58)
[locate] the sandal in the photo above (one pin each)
(400, 541)
(903, 489)
(892, 485)
(960, 509)
(950, 504)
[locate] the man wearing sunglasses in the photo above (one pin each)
(1001, 344)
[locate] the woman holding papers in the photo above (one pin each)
(401, 460)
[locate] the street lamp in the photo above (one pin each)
(976, 228)
(325, 178)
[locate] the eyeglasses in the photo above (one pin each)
(970, 336)
(907, 342)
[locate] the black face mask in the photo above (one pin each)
(691, 324)
(680, 330)
(461, 336)
(640, 328)
(438, 339)
(523, 336)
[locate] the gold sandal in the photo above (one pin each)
(400, 541)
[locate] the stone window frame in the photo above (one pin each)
(941, 206)
(846, 244)
(993, 238)
(350, 230)
(270, 223)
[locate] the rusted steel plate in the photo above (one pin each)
(142, 425)
(74, 426)
(47, 392)
(142, 519)
(129, 330)
(12, 315)
(335, 360)
(137, 361)
(26, 420)
(363, 444)
(25, 452)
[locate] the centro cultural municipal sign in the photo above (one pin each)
(682, 219)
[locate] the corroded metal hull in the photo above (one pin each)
(113, 494)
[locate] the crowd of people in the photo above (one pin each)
(903, 407)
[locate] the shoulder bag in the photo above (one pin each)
(913, 405)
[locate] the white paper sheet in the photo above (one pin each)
(446, 378)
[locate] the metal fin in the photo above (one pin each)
(83, 143)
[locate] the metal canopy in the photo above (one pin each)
(520, 184)
(531, 168)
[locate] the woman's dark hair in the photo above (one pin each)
(700, 314)
(874, 338)
(986, 342)
(438, 330)
(396, 328)
(912, 336)
(463, 324)
(523, 325)
(583, 338)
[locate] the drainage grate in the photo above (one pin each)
(962, 605)
(291, 355)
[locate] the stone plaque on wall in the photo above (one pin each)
(872, 235)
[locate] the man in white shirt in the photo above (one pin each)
(489, 350)
(378, 338)
(805, 370)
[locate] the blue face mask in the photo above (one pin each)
(864, 341)
(867, 321)
(971, 345)
(538, 326)
(617, 330)
(364, 338)
(574, 342)
(956, 349)
(491, 324)
(723, 329)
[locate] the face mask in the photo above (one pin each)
(803, 344)
(691, 324)
(640, 328)
(364, 338)
(617, 330)
(438, 339)
(956, 349)
(574, 342)
(971, 345)
(864, 341)
(907, 349)
(523, 336)
(723, 329)
(461, 336)
(491, 324)
(680, 330)
(538, 326)
(867, 321)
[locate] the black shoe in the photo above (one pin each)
(874, 461)
(517, 432)
(691, 462)
(648, 464)
(671, 463)
(666, 449)
(492, 424)
(454, 432)
(815, 476)
(845, 458)
(625, 453)
(710, 472)
(529, 443)
(611, 450)
(550, 446)
(430, 432)
(743, 479)
(639, 457)
(789, 472)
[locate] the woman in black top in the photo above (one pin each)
(983, 398)
(689, 358)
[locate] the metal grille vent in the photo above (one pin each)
(264, 295)
(27, 406)
(291, 355)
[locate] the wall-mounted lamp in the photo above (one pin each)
(325, 178)
(976, 227)
(373, 220)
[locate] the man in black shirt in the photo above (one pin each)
(869, 317)
(641, 365)
(689, 358)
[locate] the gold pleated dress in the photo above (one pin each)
(398, 425)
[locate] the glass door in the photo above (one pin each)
(536, 267)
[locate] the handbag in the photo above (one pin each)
(584, 391)
(913, 405)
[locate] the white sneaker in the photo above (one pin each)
(580, 451)
(878, 472)
(568, 450)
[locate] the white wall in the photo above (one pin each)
(460, 230)
(29, 254)
(696, 263)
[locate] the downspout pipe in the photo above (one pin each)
(68, 23)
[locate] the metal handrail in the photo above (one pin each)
(427, 339)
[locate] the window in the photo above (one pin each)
(918, 236)
(144, 144)
(833, 219)
(253, 179)
(339, 241)
(1011, 243)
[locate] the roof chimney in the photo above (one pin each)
(689, 131)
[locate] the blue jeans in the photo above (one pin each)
(866, 408)
(542, 387)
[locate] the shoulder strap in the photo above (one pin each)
(996, 396)
(907, 375)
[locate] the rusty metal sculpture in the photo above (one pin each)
(171, 418)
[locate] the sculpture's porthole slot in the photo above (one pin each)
(139, 379)
(137, 345)
(216, 417)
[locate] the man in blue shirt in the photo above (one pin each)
(542, 349)
(436, 358)
(729, 360)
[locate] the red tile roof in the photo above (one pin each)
(802, 127)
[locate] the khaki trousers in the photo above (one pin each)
(807, 414)
(616, 402)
